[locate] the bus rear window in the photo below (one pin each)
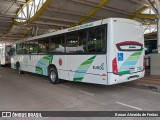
(129, 46)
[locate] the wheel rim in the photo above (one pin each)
(53, 76)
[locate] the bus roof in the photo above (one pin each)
(81, 27)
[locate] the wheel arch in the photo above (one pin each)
(17, 64)
(51, 66)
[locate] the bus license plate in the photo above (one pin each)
(132, 70)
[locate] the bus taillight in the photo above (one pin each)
(144, 63)
(6, 58)
(114, 66)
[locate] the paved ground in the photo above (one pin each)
(149, 82)
(29, 92)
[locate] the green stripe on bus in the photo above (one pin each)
(84, 66)
(44, 61)
(39, 70)
(89, 61)
(136, 53)
(133, 58)
(124, 72)
(48, 58)
(92, 58)
(78, 79)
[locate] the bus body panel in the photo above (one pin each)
(127, 55)
(29, 62)
(87, 68)
(4, 54)
(122, 62)
(78, 68)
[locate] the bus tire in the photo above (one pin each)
(18, 68)
(53, 76)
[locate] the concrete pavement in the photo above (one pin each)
(30, 92)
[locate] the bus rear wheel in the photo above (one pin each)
(18, 67)
(53, 76)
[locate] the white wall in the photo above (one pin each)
(155, 64)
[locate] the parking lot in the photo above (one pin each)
(33, 92)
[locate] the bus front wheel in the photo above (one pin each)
(53, 76)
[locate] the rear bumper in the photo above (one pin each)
(116, 79)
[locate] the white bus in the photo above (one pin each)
(5, 54)
(108, 51)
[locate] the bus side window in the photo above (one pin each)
(25, 48)
(76, 42)
(57, 44)
(43, 46)
(96, 40)
(13, 51)
(34, 47)
(82, 40)
(19, 50)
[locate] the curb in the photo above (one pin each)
(145, 86)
